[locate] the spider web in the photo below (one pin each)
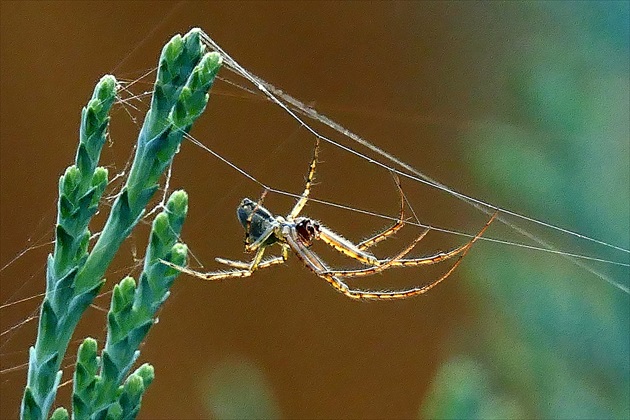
(306, 123)
(300, 112)
(251, 86)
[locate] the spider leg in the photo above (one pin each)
(403, 294)
(395, 295)
(344, 246)
(410, 262)
(261, 239)
(263, 264)
(392, 229)
(220, 275)
(245, 264)
(398, 261)
(307, 188)
(381, 264)
(315, 264)
(358, 252)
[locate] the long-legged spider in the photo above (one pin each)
(297, 233)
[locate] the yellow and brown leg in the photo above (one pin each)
(410, 262)
(315, 264)
(220, 275)
(381, 264)
(307, 188)
(263, 264)
(392, 229)
(344, 246)
(398, 261)
(402, 294)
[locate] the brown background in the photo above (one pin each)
(404, 75)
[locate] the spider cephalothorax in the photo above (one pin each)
(263, 229)
(307, 230)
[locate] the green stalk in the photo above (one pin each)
(80, 190)
(74, 275)
(98, 394)
(179, 97)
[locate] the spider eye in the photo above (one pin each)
(247, 203)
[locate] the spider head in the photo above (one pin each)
(255, 217)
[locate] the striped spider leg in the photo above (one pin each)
(334, 276)
(307, 231)
(297, 233)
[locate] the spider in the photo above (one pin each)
(297, 233)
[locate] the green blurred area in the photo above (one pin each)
(551, 340)
(235, 388)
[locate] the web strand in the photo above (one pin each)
(296, 107)
(293, 107)
(390, 218)
(300, 112)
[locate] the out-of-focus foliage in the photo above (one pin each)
(237, 389)
(551, 340)
(473, 395)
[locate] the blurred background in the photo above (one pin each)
(523, 105)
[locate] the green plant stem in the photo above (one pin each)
(98, 381)
(80, 189)
(75, 276)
